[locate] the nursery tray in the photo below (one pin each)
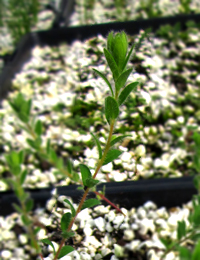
(56, 36)
(164, 192)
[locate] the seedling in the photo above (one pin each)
(117, 56)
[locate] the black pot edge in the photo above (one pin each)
(66, 10)
(64, 34)
(169, 192)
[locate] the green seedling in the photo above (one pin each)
(14, 161)
(117, 55)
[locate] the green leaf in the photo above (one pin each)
(21, 157)
(26, 221)
(126, 91)
(24, 113)
(184, 253)
(65, 221)
(26, 109)
(67, 234)
(23, 176)
(110, 40)
(111, 109)
(112, 155)
(29, 205)
(196, 252)
(48, 242)
(69, 166)
(36, 230)
(90, 203)
(16, 170)
(90, 182)
(52, 155)
(13, 162)
(196, 237)
(105, 79)
(24, 127)
(196, 162)
(20, 193)
(80, 188)
(112, 64)
(48, 147)
(85, 173)
(38, 127)
(38, 142)
(59, 163)
(195, 216)
(31, 143)
(75, 177)
(118, 139)
(121, 81)
(14, 159)
(136, 46)
(168, 244)
(35, 144)
(117, 45)
(17, 208)
(98, 145)
(196, 138)
(65, 250)
(71, 206)
(21, 107)
(128, 58)
(165, 242)
(181, 230)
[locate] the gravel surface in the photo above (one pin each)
(105, 10)
(98, 232)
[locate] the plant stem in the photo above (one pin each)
(30, 230)
(112, 124)
(88, 189)
(42, 152)
(72, 221)
(108, 201)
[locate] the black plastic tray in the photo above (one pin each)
(164, 192)
(56, 36)
(62, 15)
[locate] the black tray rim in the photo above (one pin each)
(168, 192)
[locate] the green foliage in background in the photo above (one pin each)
(18, 16)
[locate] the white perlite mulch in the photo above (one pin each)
(98, 232)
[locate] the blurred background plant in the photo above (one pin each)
(18, 17)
